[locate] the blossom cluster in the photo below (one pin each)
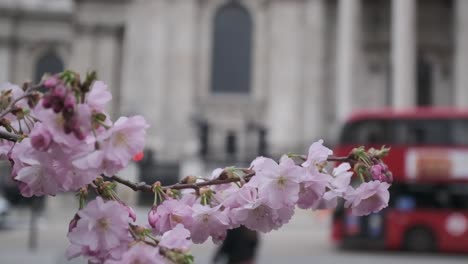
(65, 141)
(70, 138)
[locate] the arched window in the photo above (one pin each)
(49, 62)
(232, 49)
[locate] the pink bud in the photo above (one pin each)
(76, 129)
(72, 125)
(153, 217)
(57, 106)
(47, 101)
(131, 212)
(377, 171)
(40, 137)
(51, 82)
(67, 128)
(59, 92)
(70, 102)
(73, 222)
(79, 134)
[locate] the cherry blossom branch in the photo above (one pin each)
(222, 179)
(144, 187)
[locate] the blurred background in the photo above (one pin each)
(223, 81)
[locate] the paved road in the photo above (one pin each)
(303, 240)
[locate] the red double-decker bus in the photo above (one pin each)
(428, 208)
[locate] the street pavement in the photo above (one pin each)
(304, 240)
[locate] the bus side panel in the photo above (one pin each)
(437, 222)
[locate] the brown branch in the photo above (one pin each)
(340, 159)
(136, 186)
(223, 179)
(144, 187)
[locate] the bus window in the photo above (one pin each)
(429, 196)
(406, 132)
(366, 132)
(423, 132)
(460, 132)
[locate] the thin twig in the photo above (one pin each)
(144, 187)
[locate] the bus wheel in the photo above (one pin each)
(419, 239)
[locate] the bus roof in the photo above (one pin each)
(410, 113)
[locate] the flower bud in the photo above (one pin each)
(377, 172)
(57, 106)
(189, 179)
(73, 222)
(51, 82)
(47, 101)
(59, 92)
(153, 217)
(131, 212)
(69, 103)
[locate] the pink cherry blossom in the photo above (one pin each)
(228, 196)
(98, 96)
(278, 184)
(368, 198)
(140, 253)
(38, 178)
(255, 214)
(50, 172)
(101, 230)
(124, 140)
(312, 188)
(169, 214)
(40, 137)
(34, 171)
(55, 123)
(72, 177)
(338, 186)
(317, 154)
(176, 238)
(118, 145)
(208, 221)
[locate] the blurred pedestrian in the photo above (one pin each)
(239, 247)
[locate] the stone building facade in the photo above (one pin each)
(231, 79)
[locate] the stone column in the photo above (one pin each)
(144, 74)
(403, 43)
(180, 63)
(313, 70)
(461, 54)
(285, 54)
(347, 45)
(108, 63)
(5, 62)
